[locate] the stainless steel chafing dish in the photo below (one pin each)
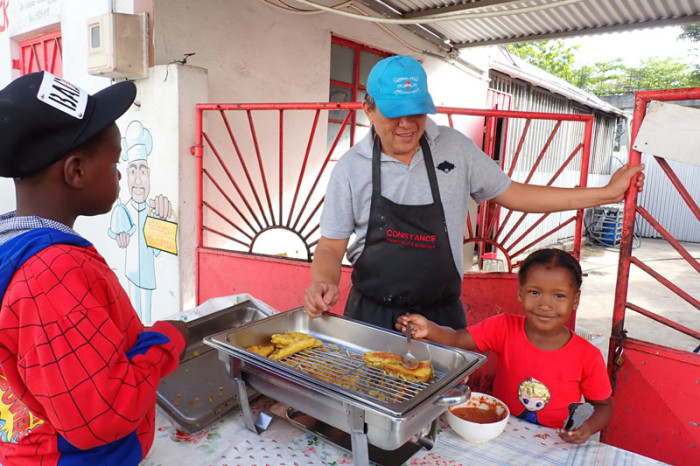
(332, 384)
(201, 374)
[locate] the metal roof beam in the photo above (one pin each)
(427, 33)
(458, 7)
(582, 32)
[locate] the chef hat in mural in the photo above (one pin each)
(136, 143)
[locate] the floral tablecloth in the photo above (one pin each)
(228, 443)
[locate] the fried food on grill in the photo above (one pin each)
(288, 338)
(284, 351)
(262, 350)
(390, 364)
(378, 358)
(422, 373)
(285, 344)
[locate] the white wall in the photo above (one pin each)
(257, 53)
(245, 51)
(164, 107)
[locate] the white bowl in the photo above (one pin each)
(488, 407)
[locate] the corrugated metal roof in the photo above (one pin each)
(508, 64)
(470, 23)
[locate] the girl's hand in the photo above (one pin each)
(577, 436)
(419, 325)
(621, 180)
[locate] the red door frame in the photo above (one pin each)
(656, 396)
(42, 53)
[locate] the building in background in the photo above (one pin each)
(182, 52)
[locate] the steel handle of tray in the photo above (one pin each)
(458, 394)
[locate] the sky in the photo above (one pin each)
(633, 46)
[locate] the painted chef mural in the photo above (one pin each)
(143, 226)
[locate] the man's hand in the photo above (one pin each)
(320, 297)
(620, 181)
(161, 206)
(123, 240)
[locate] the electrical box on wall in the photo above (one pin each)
(118, 45)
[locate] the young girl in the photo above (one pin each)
(542, 365)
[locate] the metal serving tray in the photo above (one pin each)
(200, 391)
(388, 423)
(339, 334)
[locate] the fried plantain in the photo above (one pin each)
(422, 373)
(390, 364)
(262, 350)
(378, 358)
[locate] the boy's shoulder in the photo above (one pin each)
(43, 248)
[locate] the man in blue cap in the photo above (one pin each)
(409, 218)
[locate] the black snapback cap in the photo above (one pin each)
(43, 117)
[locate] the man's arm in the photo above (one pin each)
(534, 198)
(323, 293)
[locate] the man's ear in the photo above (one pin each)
(74, 170)
(368, 111)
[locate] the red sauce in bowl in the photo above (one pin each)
(478, 415)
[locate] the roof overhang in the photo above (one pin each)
(459, 24)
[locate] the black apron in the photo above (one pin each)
(406, 264)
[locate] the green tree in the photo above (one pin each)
(653, 73)
(691, 32)
(611, 77)
(552, 56)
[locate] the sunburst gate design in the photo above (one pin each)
(264, 167)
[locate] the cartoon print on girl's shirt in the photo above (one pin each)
(534, 396)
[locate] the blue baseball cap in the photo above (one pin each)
(399, 87)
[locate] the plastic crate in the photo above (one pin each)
(605, 225)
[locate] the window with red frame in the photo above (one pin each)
(350, 65)
(42, 53)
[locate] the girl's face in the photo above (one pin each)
(549, 296)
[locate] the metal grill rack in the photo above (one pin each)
(342, 367)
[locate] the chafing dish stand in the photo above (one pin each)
(330, 386)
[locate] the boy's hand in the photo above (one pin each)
(184, 331)
(419, 325)
(577, 436)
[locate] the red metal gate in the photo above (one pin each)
(656, 393)
(262, 168)
(42, 53)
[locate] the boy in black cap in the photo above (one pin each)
(78, 372)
